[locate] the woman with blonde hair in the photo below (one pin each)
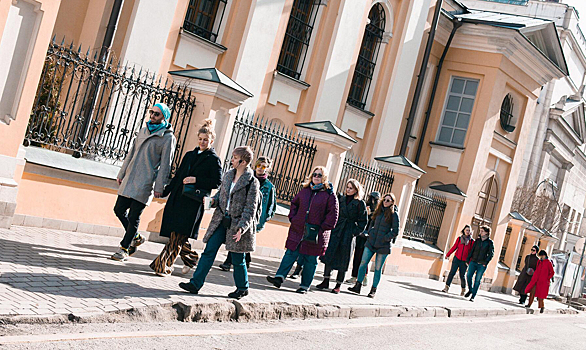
(314, 212)
(352, 219)
(199, 173)
(382, 230)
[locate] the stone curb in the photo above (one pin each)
(242, 311)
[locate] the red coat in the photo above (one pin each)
(461, 249)
(541, 278)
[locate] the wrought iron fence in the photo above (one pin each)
(95, 110)
(425, 216)
(369, 174)
(292, 153)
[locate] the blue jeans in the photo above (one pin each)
(378, 266)
(479, 269)
(308, 262)
(208, 257)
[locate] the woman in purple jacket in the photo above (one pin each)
(314, 212)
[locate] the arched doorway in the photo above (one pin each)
(486, 206)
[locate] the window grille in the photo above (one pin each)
(366, 63)
(297, 37)
(204, 17)
(457, 111)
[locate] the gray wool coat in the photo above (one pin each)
(242, 210)
(148, 161)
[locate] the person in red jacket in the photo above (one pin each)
(462, 247)
(539, 285)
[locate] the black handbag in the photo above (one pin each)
(192, 192)
(311, 231)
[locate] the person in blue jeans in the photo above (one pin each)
(233, 223)
(383, 228)
(478, 259)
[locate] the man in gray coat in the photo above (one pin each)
(148, 162)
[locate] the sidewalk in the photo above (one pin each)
(50, 274)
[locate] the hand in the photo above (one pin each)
(189, 180)
(119, 181)
(238, 235)
(158, 194)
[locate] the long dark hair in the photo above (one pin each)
(388, 213)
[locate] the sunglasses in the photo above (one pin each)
(317, 175)
(156, 114)
(263, 167)
(388, 200)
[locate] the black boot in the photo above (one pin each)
(356, 288)
(324, 285)
(372, 292)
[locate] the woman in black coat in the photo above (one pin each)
(526, 274)
(199, 173)
(352, 219)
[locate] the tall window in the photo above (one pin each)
(507, 118)
(204, 17)
(297, 37)
(457, 111)
(366, 63)
(505, 244)
(486, 206)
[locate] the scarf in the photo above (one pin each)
(261, 178)
(165, 123)
(317, 187)
(464, 239)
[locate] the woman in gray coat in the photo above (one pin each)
(233, 223)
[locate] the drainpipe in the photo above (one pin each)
(421, 77)
(457, 23)
(102, 58)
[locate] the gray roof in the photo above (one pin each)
(213, 75)
(399, 160)
(327, 127)
(502, 19)
(517, 216)
(450, 188)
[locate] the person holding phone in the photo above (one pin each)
(314, 212)
(526, 274)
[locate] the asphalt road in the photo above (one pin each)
(513, 332)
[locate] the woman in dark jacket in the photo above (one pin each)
(383, 229)
(314, 211)
(526, 274)
(462, 247)
(200, 170)
(352, 220)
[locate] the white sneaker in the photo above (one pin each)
(185, 269)
(120, 255)
(365, 282)
(351, 280)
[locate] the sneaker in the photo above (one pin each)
(372, 292)
(336, 289)
(351, 280)
(469, 293)
(301, 291)
(365, 282)
(463, 292)
(188, 287)
(446, 288)
(138, 240)
(225, 267)
(276, 281)
(238, 294)
(120, 255)
(185, 269)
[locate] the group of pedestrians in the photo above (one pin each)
(323, 225)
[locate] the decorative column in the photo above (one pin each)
(332, 144)
(518, 224)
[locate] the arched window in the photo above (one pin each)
(204, 17)
(487, 203)
(366, 63)
(507, 119)
(297, 37)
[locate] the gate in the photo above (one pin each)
(369, 174)
(292, 153)
(425, 216)
(95, 110)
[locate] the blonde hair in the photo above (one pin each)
(358, 187)
(208, 128)
(324, 178)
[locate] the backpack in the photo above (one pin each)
(258, 213)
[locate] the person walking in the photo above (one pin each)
(233, 223)
(269, 203)
(526, 274)
(382, 230)
(148, 162)
(314, 212)
(200, 172)
(371, 203)
(480, 255)
(462, 248)
(539, 285)
(352, 219)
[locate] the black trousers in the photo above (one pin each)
(228, 260)
(360, 242)
(128, 211)
(328, 273)
(457, 264)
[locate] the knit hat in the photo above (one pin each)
(166, 111)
